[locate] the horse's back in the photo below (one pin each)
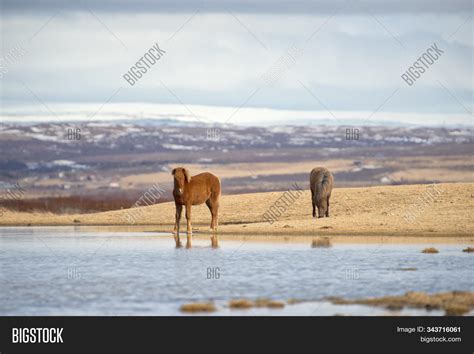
(206, 177)
(317, 174)
(319, 177)
(207, 181)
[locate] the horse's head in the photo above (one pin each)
(322, 208)
(181, 176)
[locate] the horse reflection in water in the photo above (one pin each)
(189, 241)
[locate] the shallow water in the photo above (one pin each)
(75, 271)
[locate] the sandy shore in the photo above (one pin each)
(362, 212)
(454, 303)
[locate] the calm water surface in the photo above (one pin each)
(72, 271)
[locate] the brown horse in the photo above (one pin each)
(321, 182)
(195, 190)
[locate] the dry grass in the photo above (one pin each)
(198, 307)
(74, 204)
(246, 304)
(364, 211)
(262, 302)
(430, 250)
(272, 304)
(454, 303)
(468, 249)
(405, 168)
(293, 301)
(321, 242)
(456, 310)
(236, 170)
(275, 305)
(240, 304)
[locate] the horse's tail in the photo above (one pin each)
(216, 188)
(324, 185)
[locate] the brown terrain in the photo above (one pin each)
(408, 210)
(454, 303)
(113, 164)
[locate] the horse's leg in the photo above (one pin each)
(188, 219)
(215, 214)
(179, 209)
(213, 206)
(210, 206)
(327, 210)
(214, 209)
(314, 205)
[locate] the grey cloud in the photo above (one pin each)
(257, 6)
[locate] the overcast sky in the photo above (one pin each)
(342, 57)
